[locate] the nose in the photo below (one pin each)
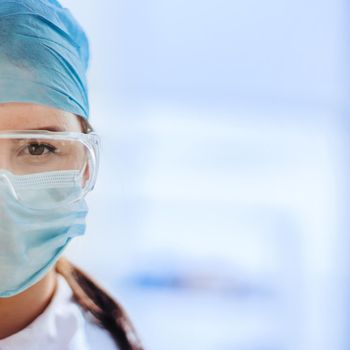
(5, 155)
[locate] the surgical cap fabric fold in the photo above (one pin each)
(44, 55)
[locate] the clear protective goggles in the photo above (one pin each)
(46, 169)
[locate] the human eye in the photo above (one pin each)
(39, 149)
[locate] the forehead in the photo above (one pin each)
(29, 116)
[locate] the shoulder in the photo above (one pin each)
(94, 336)
(90, 296)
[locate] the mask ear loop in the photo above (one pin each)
(5, 176)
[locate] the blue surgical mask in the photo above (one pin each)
(31, 240)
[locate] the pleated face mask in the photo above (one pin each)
(32, 240)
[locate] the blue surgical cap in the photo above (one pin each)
(44, 55)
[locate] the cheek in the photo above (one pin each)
(86, 175)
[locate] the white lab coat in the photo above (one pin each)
(63, 325)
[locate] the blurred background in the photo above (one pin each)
(220, 216)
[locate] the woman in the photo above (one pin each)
(48, 163)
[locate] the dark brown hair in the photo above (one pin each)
(85, 125)
(108, 313)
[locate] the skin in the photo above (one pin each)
(19, 311)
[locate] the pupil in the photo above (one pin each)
(36, 149)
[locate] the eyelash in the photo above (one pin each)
(50, 148)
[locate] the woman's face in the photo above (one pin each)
(29, 116)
